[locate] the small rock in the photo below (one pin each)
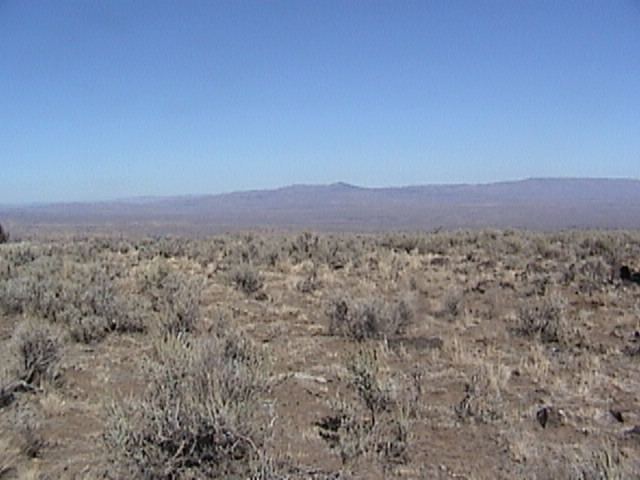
(550, 416)
(261, 296)
(617, 414)
(633, 432)
(307, 376)
(312, 384)
(330, 422)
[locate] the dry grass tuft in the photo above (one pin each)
(483, 400)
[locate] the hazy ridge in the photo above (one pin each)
(536, 203)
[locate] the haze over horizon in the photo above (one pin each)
(113, 99)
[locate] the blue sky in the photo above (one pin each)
(103, 99)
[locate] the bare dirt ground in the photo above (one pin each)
(468, 355)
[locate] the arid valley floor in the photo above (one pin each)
(496, 354)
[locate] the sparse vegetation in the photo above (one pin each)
(311, 282)
(488, 354)
(28, 427)
(364, 371)
(453, 303)
(383, 432)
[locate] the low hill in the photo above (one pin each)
(539, 203)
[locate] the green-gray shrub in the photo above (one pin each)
(199, 417)
(247, 278)
(39, 349)
(368, 318)
(544, 317)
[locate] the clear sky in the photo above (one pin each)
(103, 99)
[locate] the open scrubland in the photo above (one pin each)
(468, 355)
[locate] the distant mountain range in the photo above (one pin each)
(538, 203)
